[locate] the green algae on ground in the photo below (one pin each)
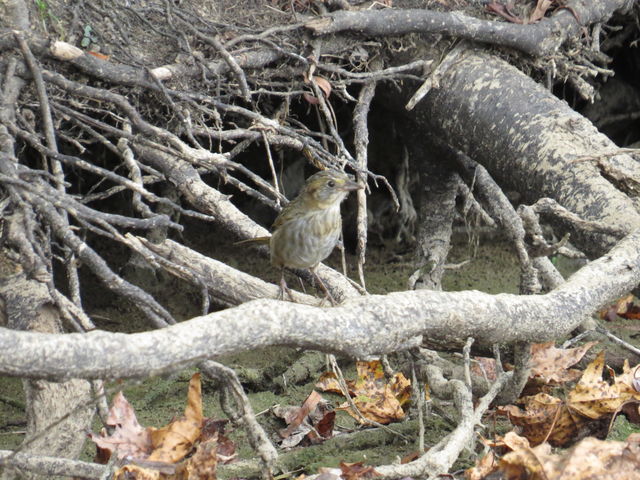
(13, 421)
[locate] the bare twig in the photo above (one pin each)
(617, 340)
(361, 141)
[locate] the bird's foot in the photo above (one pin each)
(284, 288)
(324, 288)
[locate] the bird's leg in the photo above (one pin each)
(284, 288)
(323, 287)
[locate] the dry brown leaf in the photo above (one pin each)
(594, 398)
(356, 471)
(522, 459)
(174, 441)
(546, 418)
(313, 421)
(215, 430)
(310, 98)
(129, 472)
(324, 85)
(323, 419)
(375, 398)
(625, 307)
(202, 464)
(485, 367)
(552, 364)
(631, 310)
(296, 416)
(485, 466)
(129, 439)
(589, 459)
(541, 8)
(328, 382)
(503, 11)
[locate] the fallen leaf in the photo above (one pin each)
(296, 417)
(595, 398)
(310, 98)
(313, 421)
(174, 441)
(522, 460)
(324, 85)
(356, 471)
(626, 307)
(485, 466)
(202, 464)
(541, 9)
(129, 439)
(484, 367)
(328, 382)
(376, 399)
(215, 430)
(503, 11)
(589, 459)
(631, 410)
(546, 418)
(552, 364)
(136, 472)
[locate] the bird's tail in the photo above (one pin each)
(261, 240)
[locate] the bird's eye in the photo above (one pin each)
(331, 183)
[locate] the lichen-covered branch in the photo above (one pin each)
(396, 319)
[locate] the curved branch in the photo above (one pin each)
(537, 39)
(360, 327)
(528, 140)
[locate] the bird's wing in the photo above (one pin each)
(288, 213)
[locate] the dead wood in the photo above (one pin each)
(541, 38)
(529, 141)
(193, 113)
(55, 411)
(49, 466)
(438, 316)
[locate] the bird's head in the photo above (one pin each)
(327, 187)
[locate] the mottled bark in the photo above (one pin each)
(360, 327)
(539, 38)
(28, 307)
(530, 142)
(436, 212)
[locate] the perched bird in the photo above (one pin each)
(308, 228)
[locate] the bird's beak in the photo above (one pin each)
(350, 186)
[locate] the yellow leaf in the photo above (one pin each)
(172, 442)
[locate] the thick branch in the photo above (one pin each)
(528, 140)
(361, 326)
(228, 285)
(541, 38)
(51, 465)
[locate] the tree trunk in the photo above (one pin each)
(531, 142)
(58, 414)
